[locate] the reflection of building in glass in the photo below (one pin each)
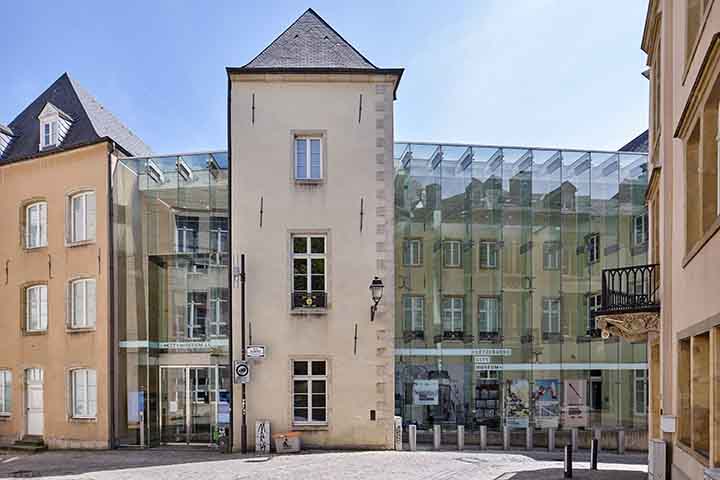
(500, 254)
(172, 295)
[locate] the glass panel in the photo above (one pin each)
(202, 405)
(315, 158)
(300, 158)
(318, 368)
(172, 405)
(300, 368)
(300, 244)
(317, 245)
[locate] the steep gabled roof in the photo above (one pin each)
(310, 42)
(90, 123)
(640, 143)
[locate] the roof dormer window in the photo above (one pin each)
(6, 136)
(54, 124)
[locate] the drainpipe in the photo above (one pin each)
(112, 380)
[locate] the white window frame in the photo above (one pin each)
(453, 313)
(217, 321)
(84, 315)
(185, 233)
(36, 316)
(594, 302)
(308, 140)
(38, 237)
(50, 138)
(83, 229)
(413, 252)
(551, 255)
(310, 378)
(309, 256)
(490, 254)
(5, 392)
(640, 377)
(551, 315)
(218, 235)
(488, 307)
(452, 253)
(83, 388)
(191, 321)
(415, 306)
(593, 246)
(642, 221)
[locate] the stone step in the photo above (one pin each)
(28, 448)
(31, 440)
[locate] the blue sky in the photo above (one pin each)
(561, 73)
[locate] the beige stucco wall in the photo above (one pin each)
(358, 165)
(52, 178)
(690, 303)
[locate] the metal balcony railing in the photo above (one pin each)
(309, 300)
(630, 290)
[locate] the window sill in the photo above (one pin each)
(412, 266)
(82, 419)
(709, 234)
(35, 249)
(80, 243)
(80, 329)
(5, 417)
(308, 181)
(31, 333)
(309, 311)
(310, 427)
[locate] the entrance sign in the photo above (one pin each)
(517, 408)
(575, 411)
(241, 372)
(255, 351)
(546, 399)
(425, 392)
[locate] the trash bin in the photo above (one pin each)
(287, 442)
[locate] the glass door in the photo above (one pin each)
(173, 402)
(202, 405)
(189, 404)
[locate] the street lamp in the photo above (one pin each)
(376, 292)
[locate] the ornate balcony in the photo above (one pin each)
(630, 303)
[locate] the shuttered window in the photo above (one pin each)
(36, 225)
(82, 303)
(36, 313)
(84, 393)
(82, 217)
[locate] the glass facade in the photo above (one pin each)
(499, 260)
(171, 307)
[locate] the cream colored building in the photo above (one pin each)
(55, 163)
(682, 40)
(311, 154)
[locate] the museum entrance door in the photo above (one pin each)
(188, 405)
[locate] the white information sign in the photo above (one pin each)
(425, 392)
(255, 351)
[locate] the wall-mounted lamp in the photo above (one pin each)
(376, 292)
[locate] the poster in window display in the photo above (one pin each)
(425, 392)
(575, 410)
(517, 405)
(546, 401)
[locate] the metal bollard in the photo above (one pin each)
(412, 437)
(621, 441)
(573, 439)
(597, 434)
(529, 431)
(483, 437)
(506, 438)
(567, 470)
(551, 439)
(594, 453)
(461, 437)
(437, 432)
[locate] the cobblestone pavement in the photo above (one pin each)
(170, 464)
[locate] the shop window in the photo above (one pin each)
(82, 303)
(36, 225)
(488, 254)
(309, 262)
(84, 393)
(412, 252)
(414, 313)
(309, 392)
(5, 392)
(452, 253)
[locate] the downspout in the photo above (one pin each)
(231, 266)
(112, 378)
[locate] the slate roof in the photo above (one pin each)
(638, 144)
(310, 43)
(91, 123)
